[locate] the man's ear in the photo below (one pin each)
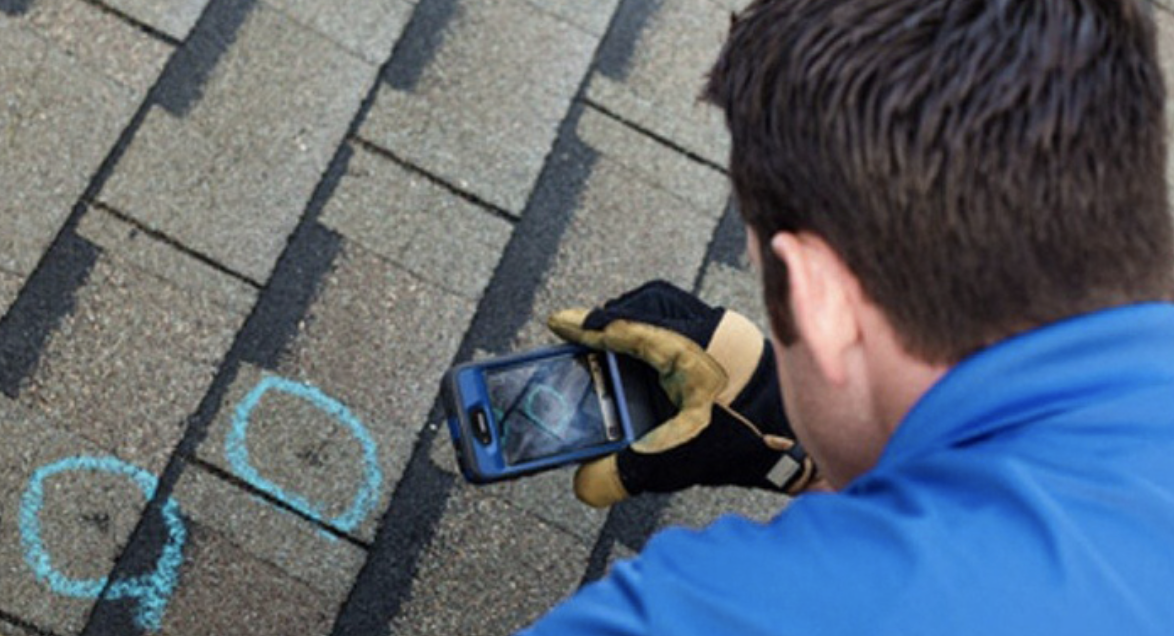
(821, 287)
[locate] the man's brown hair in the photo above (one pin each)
(982, 166)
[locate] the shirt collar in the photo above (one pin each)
(1049, 370)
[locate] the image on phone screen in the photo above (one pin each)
(552, 406)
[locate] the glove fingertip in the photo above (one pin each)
(568, 323)
(598, 484)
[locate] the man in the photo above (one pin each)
(959, 211)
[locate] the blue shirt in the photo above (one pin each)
(1030, 491)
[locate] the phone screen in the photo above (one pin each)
(551, 406)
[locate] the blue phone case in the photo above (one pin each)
(465, 394)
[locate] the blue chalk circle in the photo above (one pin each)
(237, 449)
(152, 590)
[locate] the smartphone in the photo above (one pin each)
(524, 413)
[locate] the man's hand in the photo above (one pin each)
(719, 371)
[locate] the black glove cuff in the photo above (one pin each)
(726, 452)
(762, 401)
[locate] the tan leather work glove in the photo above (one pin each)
(718, 371)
